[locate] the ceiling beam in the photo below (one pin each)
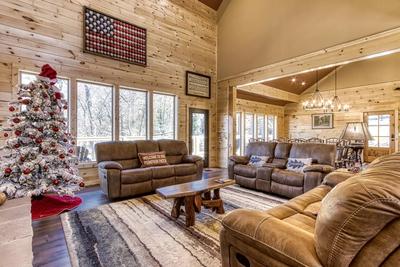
(271, 92)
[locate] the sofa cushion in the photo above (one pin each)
(287, 177)
(185, 169)
(276, 163)
(245, 170)
(116, 151)
(152, 159)
(260, 149)
(133, 176)
(320, 153)
(282, 150)
(163, 171)
(146, 146)
(174, 150)
(286, 190)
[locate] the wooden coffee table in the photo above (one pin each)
(193, 196)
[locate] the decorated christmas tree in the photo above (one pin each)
(38, 156)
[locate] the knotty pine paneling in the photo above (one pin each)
(377, 97)
(181, 36)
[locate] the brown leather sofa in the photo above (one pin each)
(273, 176)
(355, 223)
(120, 171)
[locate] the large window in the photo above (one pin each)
(271, 127)
(248, 127)
(94, 117)
(261, 127)
(238, 133)
(132, 114)
(163, 116)
(379, 127)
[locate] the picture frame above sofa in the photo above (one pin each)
(322, 121)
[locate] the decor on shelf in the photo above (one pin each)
(334, 104)
(198, 84)
(315, 101)
(322, 121)
(107, 36)
(38, 155)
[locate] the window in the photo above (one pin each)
(163, 116)
(132, 114)
(238, 133)
(94, 117)
(271, 127)
(261, 126)
(62, 84)
(249, 127)
(379, 127)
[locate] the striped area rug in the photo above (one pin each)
(141, 232)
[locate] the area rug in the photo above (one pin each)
(50, 205)
(141, 232)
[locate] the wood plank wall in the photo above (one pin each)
(375, 97)
(181, 36)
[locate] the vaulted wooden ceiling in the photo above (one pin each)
(214, 4)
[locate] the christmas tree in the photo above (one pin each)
(38, 156)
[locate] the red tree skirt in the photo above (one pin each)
(50, 205)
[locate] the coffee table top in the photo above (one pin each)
(192, 188)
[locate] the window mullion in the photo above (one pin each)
(116, 111)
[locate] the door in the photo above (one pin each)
(198, 133)
(382, 129)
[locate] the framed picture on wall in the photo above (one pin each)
(322, 121)
(198, 84)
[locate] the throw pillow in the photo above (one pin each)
(298, 164)
(257, 161)
(152, 159)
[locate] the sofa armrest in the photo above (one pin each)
(239, 159)
(336, 177)
(191, 158)
(264, 235)
(109, 165)
(319, 168)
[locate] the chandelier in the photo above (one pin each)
(315, 101)
(334, 104)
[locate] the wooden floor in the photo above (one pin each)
(49, 246)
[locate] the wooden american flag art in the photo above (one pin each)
(110, 37)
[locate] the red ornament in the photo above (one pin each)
(38, 140)
(45, 168)
(25, 101)
(36, 109)
(45, 152)
(51, 113)
(65, 140)
(27, 171)
(11, 108)
(7, 170)
(18, 132)
(65, 107)
(56, 182)
(16, 120)
(55, 129)
(40, 129)
(61, 156)
(71, 151)
(81, 184)
(48, 72)
(16, 146)
(22, 159)
(53, 144)
(5, 134)
(19, 98)
(73, 142)
(45, 95)
(57, 95)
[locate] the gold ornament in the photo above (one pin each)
(3, 198)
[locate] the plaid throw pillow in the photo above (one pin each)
(152, 159)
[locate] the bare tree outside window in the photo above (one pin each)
(132, 114)
(163, 116)
(94, 116)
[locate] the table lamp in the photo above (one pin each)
(357, 132)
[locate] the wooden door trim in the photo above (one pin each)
(207, 132)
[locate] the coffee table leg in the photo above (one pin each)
(220, 207)
(176, 208)
(189, 211)
(197, 203)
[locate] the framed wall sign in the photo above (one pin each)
(106, 36)
(322, 121)
(198, 84)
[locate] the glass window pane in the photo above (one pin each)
(384, 131)
(27, 77)
(384, 119)
(132, 114)
(260, 126)
(163, 116)
(238, 133)
(271, 127)
(249, 127)
(384, 141)
(198, 134)
(94, 117)
(373, 120)
(374, 142)
(373, 130)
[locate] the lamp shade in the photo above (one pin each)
(356, 131)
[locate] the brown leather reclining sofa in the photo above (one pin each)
(120, 171)
(355, 223)
(273, 176)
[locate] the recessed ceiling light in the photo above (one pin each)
(293, 79)
(303, 83)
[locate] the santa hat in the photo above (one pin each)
(48, 74)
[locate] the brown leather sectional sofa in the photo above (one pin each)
(273, 176)
(356, 224)
(121, 175)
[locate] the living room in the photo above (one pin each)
(199, 132)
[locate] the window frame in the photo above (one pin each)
(378, 125)
(246, 138)
(239, 132)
